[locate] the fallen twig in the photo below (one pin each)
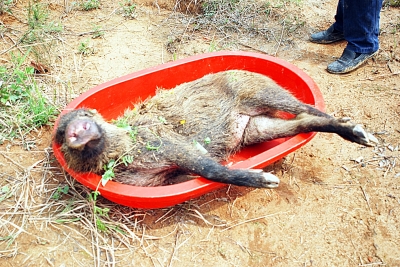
(252, 220)
(366, 199)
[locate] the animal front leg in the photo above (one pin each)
(263, 128)
(195, 162)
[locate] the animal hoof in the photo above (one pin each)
(256, 170)
(271, 181)
(364, 137)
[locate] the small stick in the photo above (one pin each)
(251, 220)
(380, 76)
(372, 264)
(252, 47)
(15, 163)
(366, 199)
(280, 40)
(177, 234)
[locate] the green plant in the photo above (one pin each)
(60, 192)
(110, 166)
(23, 105)
(84, 48)
(13, 86)
(37, 15)
(213, 47)
(97, 32)
(101, 214)
(5, 6)
(90, 4)
(128, 9)
(39, 35)
(123, 122)
(211, 8)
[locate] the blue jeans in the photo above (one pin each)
(359, 22)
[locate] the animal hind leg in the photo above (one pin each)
(262, 128)
(191, 160)
(272, 98)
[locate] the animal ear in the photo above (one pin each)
(59, 136)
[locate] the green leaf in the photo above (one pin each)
(128, 159)
(207, 140)
(5, 189)
(162, 119)
(111, 164)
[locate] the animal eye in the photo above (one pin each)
(82, 112)
(90, 112)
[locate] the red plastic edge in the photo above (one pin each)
(113, 97)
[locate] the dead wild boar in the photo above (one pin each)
(193, 127)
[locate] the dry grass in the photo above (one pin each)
(238, 24)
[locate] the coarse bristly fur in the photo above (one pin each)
(217, 114)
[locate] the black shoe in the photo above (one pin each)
(326, 37)
(349, 61)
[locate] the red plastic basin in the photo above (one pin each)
(113, 97)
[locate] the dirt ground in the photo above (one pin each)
(338, 203)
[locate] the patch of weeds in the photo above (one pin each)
(97, 32)
(40, 33)
(39, 28)
(211, 8)
(101, 215)
(396, 25)
(60, 192)
(213, 47)
(53, 27)
(66, 216)
(297, 2)
(246, 20)
(128, 9)
(13, 85)
(37, 15)
(42, 112)
(89, 4)
(23, 105)
(173, 44)
(85, 48)
(5, 6)
(293, 23)
(234, 16)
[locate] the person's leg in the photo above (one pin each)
(361, 30)
(338, 25)
(335, 32)
(361, 25)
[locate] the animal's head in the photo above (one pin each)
(80, 129)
